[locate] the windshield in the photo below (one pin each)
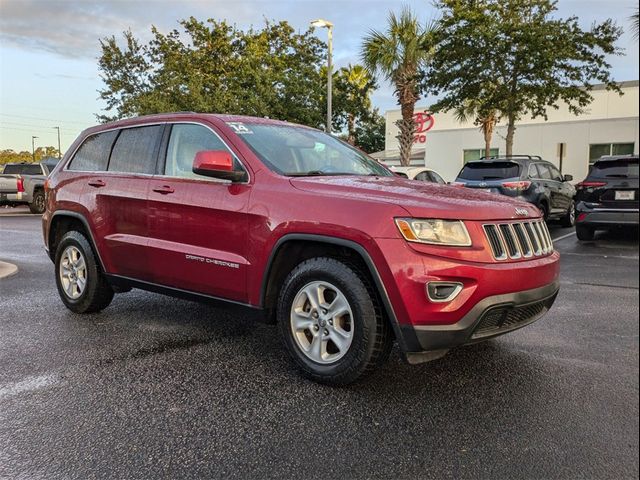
(299, 151)
(615, 169)
(483, 171)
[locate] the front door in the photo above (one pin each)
(198, 225)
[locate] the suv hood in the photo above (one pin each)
(420, 199)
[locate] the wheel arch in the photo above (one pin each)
(292, 249)
(63, 221)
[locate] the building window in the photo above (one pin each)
(477, 153)
(597, 150)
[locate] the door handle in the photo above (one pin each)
(97, 183)
(164, 189)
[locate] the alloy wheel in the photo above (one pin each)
(73, 272)
(322, 322)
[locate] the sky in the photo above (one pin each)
(49, 48)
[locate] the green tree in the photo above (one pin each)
(635, 24)
(352, 101)
(399, 55)
(515, 58)
(369, 133)
(11, 156)
(215, 67)
(483, 116)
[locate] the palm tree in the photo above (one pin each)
(485, 118)
(635, 24)
(399, 55)
(358, 85)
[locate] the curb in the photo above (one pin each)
(7, 269)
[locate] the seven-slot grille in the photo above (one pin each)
(518, 240)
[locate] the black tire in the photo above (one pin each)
(584, 233)
(38, 204)
(372, 338)
(544, 209)
(97, 293)
(569, 219)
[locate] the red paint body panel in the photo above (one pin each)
(217, 238)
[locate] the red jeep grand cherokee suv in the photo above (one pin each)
(344, 256)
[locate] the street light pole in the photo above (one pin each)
(59, 151)
(329, 26)
(33, 148)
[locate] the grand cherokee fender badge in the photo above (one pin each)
(214, 261)
(522, 212)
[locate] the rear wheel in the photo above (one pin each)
(569, 220)
(38, 204)
(80, 281)
(585, 233)
(544, 209)
(330, 322)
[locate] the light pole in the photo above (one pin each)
(320, 23)
(33, 147)
(59, 152)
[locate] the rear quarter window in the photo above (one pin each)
(93, 154)
(615, 169)
(489, 171)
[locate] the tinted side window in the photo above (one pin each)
(93, 155)
(187, 140)
(423, 177)
(533, 171)
(136, 150)
(555, 174)
(437, 178)
(545, 172)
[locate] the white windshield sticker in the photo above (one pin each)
(239, 127)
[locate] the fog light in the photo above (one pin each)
(441, 292)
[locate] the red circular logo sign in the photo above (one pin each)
(424, 122)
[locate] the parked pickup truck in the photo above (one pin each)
(23, 184)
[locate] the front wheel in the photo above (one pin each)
(80, 281)
(330, 324)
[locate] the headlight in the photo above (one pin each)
(437, 232)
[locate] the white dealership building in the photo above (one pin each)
(609, 126)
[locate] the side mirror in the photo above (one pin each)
(568, 178)
(217, 164)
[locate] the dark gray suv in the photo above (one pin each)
(528, 178)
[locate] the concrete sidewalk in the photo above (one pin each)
(7, 269)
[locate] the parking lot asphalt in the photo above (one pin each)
(154, 387)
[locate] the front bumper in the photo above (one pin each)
(606, 217)
(489, 318)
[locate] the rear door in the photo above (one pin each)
(117, 201)
(198, 225)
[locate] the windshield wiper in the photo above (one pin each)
(315, 173)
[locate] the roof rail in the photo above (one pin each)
(494, 157)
